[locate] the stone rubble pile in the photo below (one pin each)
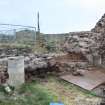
(35, 65)
(41, 65)
(100, 29)
(74, 68)
(86, 43)
(100, 25)
(90, 43)
(3, 71)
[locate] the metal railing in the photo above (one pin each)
(17, 34)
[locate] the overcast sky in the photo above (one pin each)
(56, 16)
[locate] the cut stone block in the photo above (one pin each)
(16, 70)
(89, 81)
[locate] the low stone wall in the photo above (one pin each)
(40, 65)
(34, 65)
(13, 51)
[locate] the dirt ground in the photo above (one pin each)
(44, 91)
(68, 93)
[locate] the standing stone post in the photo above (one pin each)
(16, 71)
(97, 60)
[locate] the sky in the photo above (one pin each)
(56, 16)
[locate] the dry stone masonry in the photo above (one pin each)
(90, 43)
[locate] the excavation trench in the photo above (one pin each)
(41, 65)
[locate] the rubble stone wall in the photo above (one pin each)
(97, 35)
(85, 42)
(100, 29)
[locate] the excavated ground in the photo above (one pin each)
(39, 66)
(75, 64)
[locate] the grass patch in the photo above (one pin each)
(29, 94)
(42, 92)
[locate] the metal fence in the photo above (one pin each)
(17, 34)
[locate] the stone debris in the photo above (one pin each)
(37, 65)
(7, 88)
(3, 74)
(100, 28)
(34, 65)
(82, 44)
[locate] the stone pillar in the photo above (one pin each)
(90, 58)
(97, 60)
(16, 70)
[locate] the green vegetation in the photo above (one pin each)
(28, 94)
(47, 43)
(42, 92)
(50, 46)
(14, 45)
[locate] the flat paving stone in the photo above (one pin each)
(89, 80)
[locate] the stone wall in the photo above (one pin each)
(100, 26)
(97, 47)
(85, 42)
(100, 29)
